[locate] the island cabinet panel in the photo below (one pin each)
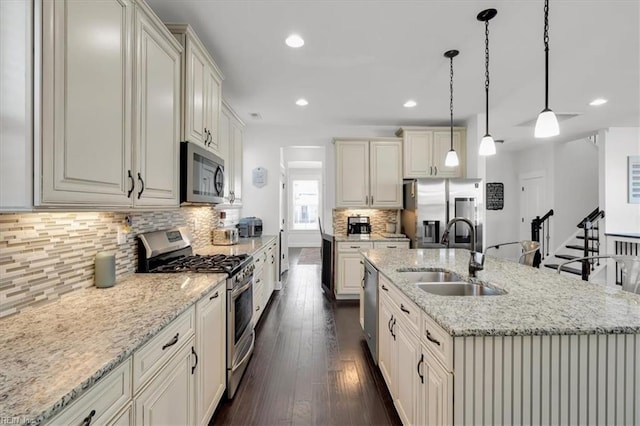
(549, 379)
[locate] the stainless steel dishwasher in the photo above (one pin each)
(370, 284)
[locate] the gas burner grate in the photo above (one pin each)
(216, 263)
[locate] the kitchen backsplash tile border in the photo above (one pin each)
(45, 255)
(378, 219)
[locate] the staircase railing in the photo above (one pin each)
(542, 224)
(591, 246)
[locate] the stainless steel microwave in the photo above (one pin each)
(201, 175)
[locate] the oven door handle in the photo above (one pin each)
(241, 290)
(249, 352)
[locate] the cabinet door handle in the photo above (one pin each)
(193, 368)
(418, 368)
(171, 342)
(431, 170)
(87, 420)
(133, 184)
(372, 200)
(206, 137)
(392, 326)
(384, 287)
(436, 167)
(142, 183)
(215, 295)
(403, 309)
(389, 325)
(258, 308)
(432, 339)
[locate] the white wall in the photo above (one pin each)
(571, 172)
(502, 225)
(576, 191)
(619, 143)
(262, 145)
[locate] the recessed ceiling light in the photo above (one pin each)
(302, 102)
(294, 40)
(598, 101)
(410, 104)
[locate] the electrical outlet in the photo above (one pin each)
(121, 237)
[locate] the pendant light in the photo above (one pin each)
(487, 145)
(451, 159)
(547, 123)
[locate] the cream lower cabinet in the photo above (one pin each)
(350, 269)
(210, 372)
(102, 404)
(425, 149)
(399, 351)
(271, 270)
(93, 102)
(435, 395)
(170, 397)
(369, 173)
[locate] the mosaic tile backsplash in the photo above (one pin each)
(46, 255)
(377, 218)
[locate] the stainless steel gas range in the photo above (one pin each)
(170, 251)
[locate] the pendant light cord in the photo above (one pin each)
(451, 99)
(546, 54)
(486, 74)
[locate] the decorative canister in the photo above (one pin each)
(105, 272)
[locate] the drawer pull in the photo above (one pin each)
(392, 246)
(392, 326)
(193, 368)
(354, 246)
(171, 342)
(418, 368)
(403, 309)
(87, 420)
(258, 308)
(215, 295)
(432, 339)
(384, 288)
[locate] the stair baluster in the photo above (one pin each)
(541, 223)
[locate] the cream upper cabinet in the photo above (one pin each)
(109, 136)
(425, 149)
(86, 103)
(158, 114)
(231, 135)
(369, 173)
(16, 103)
(201, 90)
(385, 174)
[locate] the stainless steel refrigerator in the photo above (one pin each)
(429, 204)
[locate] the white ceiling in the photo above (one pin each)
(363, 59)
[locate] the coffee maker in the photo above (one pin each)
(358, 225)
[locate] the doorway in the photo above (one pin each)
(533, 200)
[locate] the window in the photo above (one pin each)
(306, 199)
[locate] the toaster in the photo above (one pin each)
(250, 227)
(225, 236)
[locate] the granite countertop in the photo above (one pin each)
(51, 355)
(368, 237)
(537, 302)
(245, 245)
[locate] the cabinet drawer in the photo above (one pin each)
(259, 259)
(391, 244)
(155, 353)
(355, 246)
(104, 399)
(405, 308)
(437, 340)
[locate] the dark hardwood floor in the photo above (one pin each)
(310, 364)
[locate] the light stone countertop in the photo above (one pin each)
(367, 237)
(51, 355)
(537, 302)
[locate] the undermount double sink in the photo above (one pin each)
(445, 283)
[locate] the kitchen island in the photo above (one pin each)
(552, 349)
(52, 355)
